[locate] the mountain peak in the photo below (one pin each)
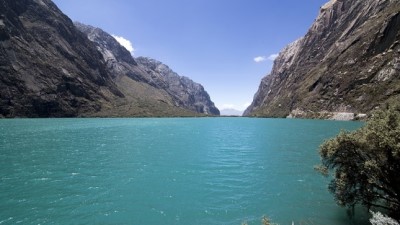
(183, 91)
(328, 5)
(186, 91)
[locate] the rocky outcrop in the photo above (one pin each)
(154, 76)
(186, 93)
(49, 68)
(349, 61)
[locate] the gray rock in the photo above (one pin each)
(186, 92)
(182, 92)
(351, 52)
(49, 68)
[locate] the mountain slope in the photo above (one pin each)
(185, 92)
(349, 61)
(48, 68)
(141, 98)
(158, 82)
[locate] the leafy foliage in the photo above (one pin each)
(366, 163)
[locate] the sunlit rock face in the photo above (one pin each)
(51, 67)
(349, 61)
(177, 91)
(186, 92)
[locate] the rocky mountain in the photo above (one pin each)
(174, 90)
(49, 68)
(185, 92)
(348, 62)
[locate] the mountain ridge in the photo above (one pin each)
(49, 68)
(186, 91)
(347, 62)
(177, 91)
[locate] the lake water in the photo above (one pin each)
(189, 171)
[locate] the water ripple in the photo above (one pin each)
(164, 171)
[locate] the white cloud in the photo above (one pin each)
(260, 59)
(272, 57)
(125, 42)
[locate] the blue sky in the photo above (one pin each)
(213, 42)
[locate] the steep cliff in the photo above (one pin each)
(349, 61)
(49, 68)
(185, 92)
(156, 80)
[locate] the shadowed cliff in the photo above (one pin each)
(49, 68)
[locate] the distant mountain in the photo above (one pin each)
(349, 61)
(49, 68)
(231, 112)
(174, 90)
(185, 92)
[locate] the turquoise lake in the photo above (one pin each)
(189, 171)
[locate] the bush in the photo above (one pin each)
(366, 163)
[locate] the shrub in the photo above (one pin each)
(365, 164)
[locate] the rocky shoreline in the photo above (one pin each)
(339, 116)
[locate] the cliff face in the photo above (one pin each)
(156, 80)
(49, 68)
(185, 92)
(349, 61)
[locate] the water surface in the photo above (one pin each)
(165, 171)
